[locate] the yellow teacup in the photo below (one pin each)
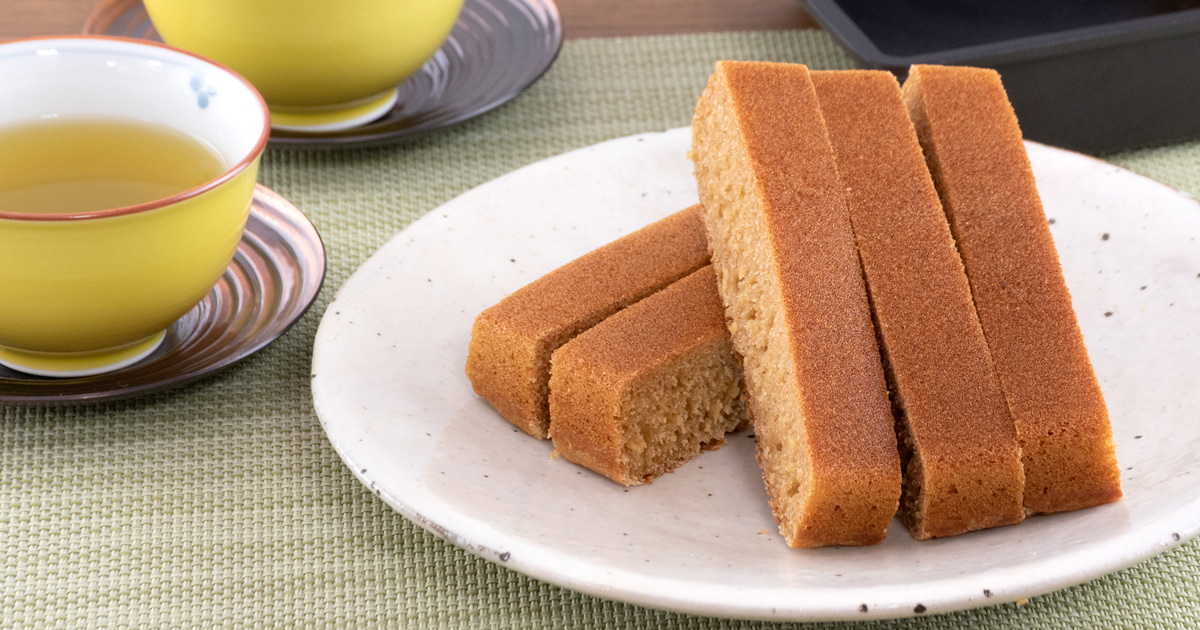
(85, 289)
(320, 65)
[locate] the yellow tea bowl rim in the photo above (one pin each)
(228, 174)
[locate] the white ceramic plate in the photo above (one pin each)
(391, 393)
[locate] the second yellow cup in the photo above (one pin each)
(320, 65)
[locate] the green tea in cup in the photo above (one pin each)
(85, 164)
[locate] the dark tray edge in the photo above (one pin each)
(833, 19)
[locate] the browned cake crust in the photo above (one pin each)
(650, 387)
(796, 305)
(974, 151)
(508, 360)
(958, 444)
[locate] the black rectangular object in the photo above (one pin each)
(1094, 76)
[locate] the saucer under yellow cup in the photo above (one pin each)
(90, 291)
(320, 65)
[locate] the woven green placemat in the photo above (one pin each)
(222, 504)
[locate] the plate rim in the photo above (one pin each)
(1008, 591)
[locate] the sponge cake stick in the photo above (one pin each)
(962, 464)
(974, 151)
(508, 359)
(796, 305)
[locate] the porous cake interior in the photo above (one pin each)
(674, 413)
(763, 339)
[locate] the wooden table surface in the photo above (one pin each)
(581, 18)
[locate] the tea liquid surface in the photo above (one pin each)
(74, 165)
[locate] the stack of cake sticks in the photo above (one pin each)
(869, 281)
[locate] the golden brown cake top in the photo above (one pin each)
(605, 279)
(653, 332)
(966, 473)
(985, 178)
(824, 299)
(918, 288)
(974, 150)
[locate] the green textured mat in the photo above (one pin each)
(222, 504)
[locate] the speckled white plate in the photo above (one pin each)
(390, 390)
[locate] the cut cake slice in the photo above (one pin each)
(973, 149)
(508, 359)
(796, 305)
(962, 465)
(650, 387)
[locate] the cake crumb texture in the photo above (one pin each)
(958, 444)
(796, 305)
(508, 359)
(650, 387)
(973, 148)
